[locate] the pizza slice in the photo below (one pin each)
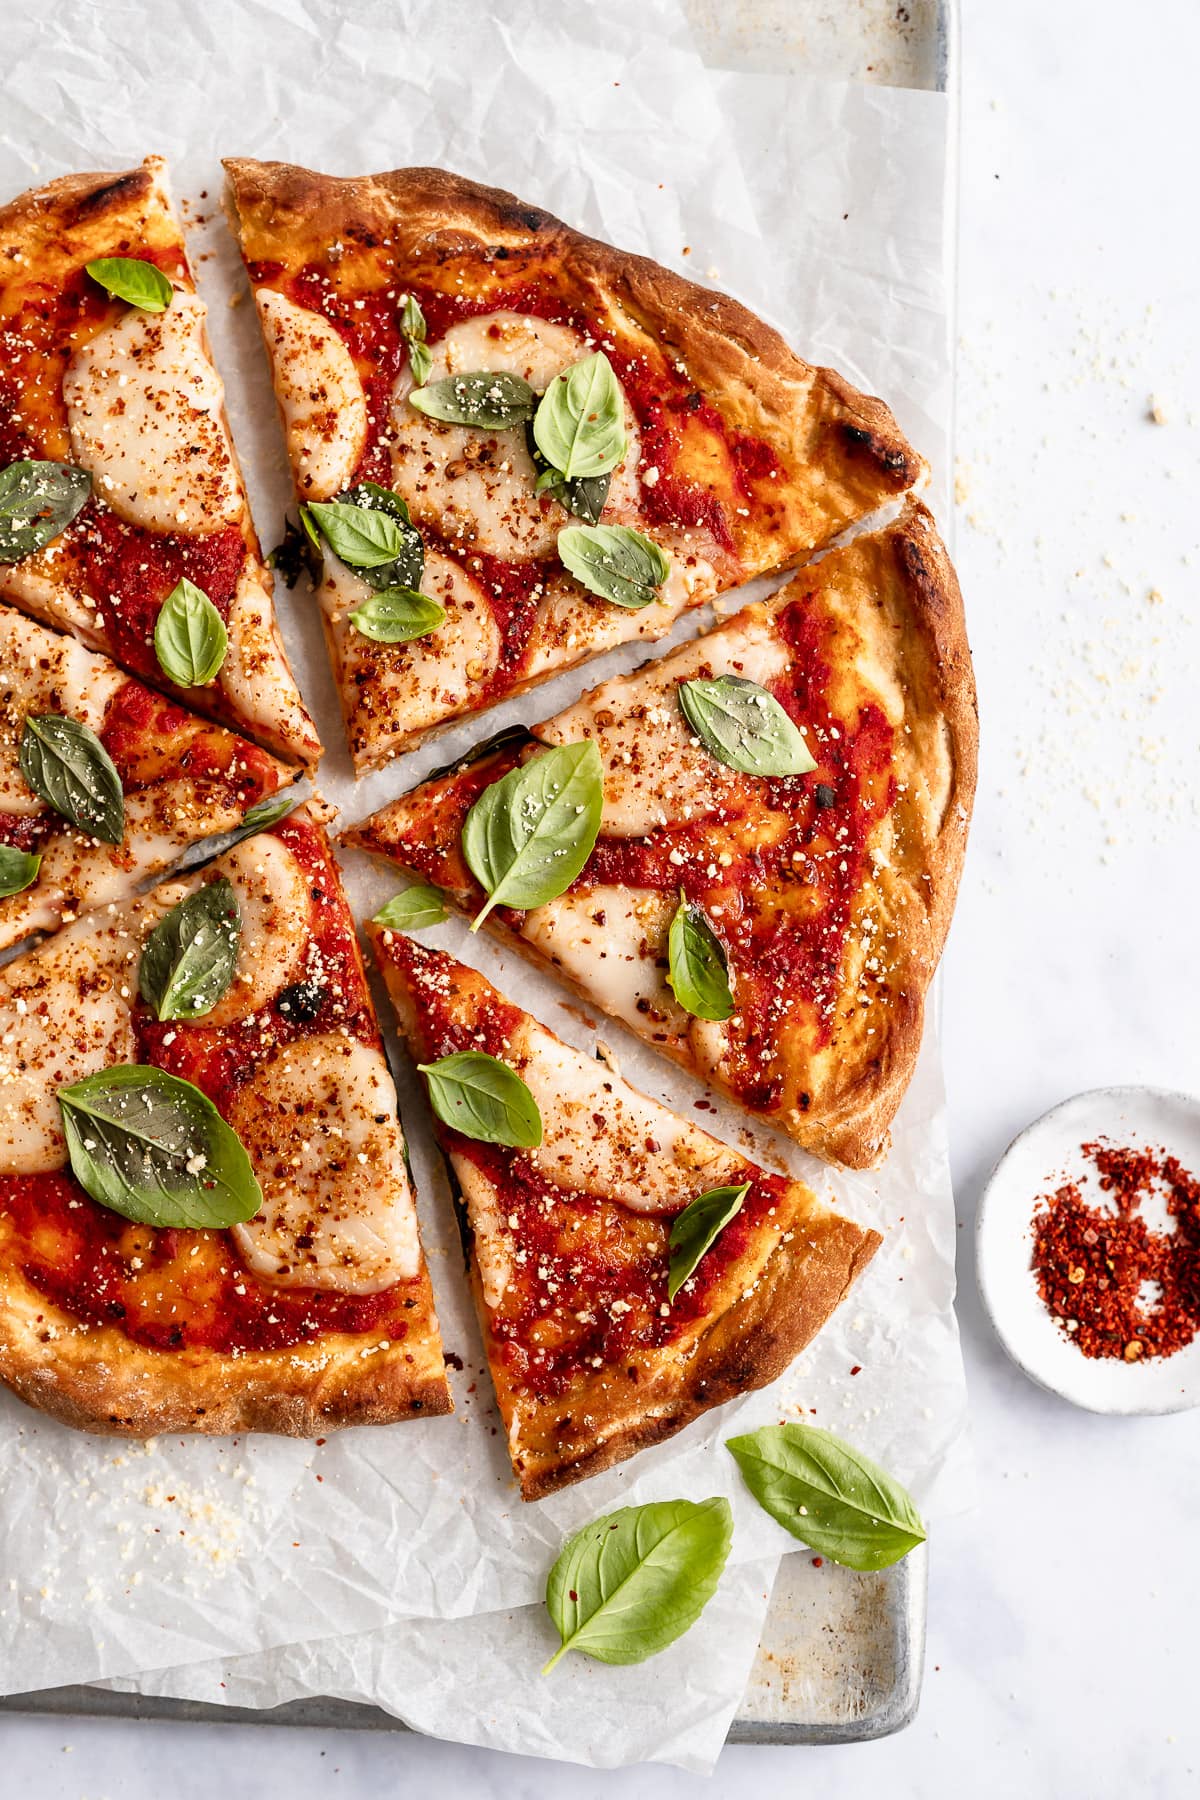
(557, 447)
(206, 1219)
(748, 851)
(104, 783)
(123, 517)
(629, 1271)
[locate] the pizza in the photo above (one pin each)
(754, 843)
(535, 445)
(126, 780)
(206, 1219)
(629, 1270)
(123, 516)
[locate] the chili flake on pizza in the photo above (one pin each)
(629, 1271)
(103, 782)
(557, 447)
(747, 851)
(206, 1220)
(123, 518)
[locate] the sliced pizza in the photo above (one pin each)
(748, 851)
(104, 783)
(517, 447)
(206, 1219)
(629, 1271)
(123, 517)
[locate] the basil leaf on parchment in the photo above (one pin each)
(189, 959)
(615, 562)
(190, 639)
(529, 834)
(132, 278)
(698, 971)
(744, 726)
(484, 1099)
(413, 908)
(828, 1495)
(696, 1229)
(38, 500)
(68, 767)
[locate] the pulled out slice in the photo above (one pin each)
(630, 1272)
(206, 1221)
(120, 492)
(783, 814)
(586, 443)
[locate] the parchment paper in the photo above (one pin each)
(120, 1558)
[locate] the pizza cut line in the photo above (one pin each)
(311, 1312)
(114, 442)
(592, 1355)
(818, 902)
(584, 443)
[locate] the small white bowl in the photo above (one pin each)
(1041, 1159)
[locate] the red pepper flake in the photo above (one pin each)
(857, 1369)
(1093, 1262)
(818, 1562)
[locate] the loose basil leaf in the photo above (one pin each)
(153, 1148)
(699, 973)
(129, 278)
(412, 328)
(615, 562)
(632, 1582)
(744, 726)
(394, 615)
(190, 639)
(38, 500)
(18, 870)
(697, 1229)
(189, 958)
(579, 426)
(68, 767)
(529, 834)
(487, 398)
(483, 1099)
(828, 1495)
(369, 528)
(413, 908)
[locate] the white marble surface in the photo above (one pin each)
(1063, 1611)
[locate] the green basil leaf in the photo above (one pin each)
(828, 1495)
(38, 500)
(615, 562)
(376, 499)
(412, 328)
(394, 615)
(585, 496)
(130, 278)
(369, 528)
(699, 973)
(487, 398)
(153, 1148)
(189, 958)
(484, 1099)
(190, 639)
(412, 318)
(267, 812)
(529, 834)
(413, 908)
(745, 727)
(579, 426)
(68, 767)
(629, 1584)
(18, 870)
(420, 361)
(697, 1228)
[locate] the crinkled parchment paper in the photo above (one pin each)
(821, 206)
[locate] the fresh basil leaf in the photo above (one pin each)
(585, 496)
(189, 958)
(412, 329)
(699, 973)
(18, 870)
(413, 909)
(153, 1148)
(484, 1099)
(529, 834)
(744, 726)
(615, 562)
(579, 426)
(487, 398)
(420, 361)
(38, 500)
(394, 615)
(697, 1228)
(68, 767)
(130, 278)
(369, 529)
(190, 639)
(376, 499)
(632, 1582)
(267, 812)
(828, 1495)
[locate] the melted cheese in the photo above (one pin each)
(255, 677)
(320, 1123)
(608, 940)
(272, 892)
(479, 485)
(573, 624)
(320, 395)
(41, 672)
(144, 407)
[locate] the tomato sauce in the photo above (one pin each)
(129, 572)
(149, 738)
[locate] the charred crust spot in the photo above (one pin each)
(112, 195)
(893, 458)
